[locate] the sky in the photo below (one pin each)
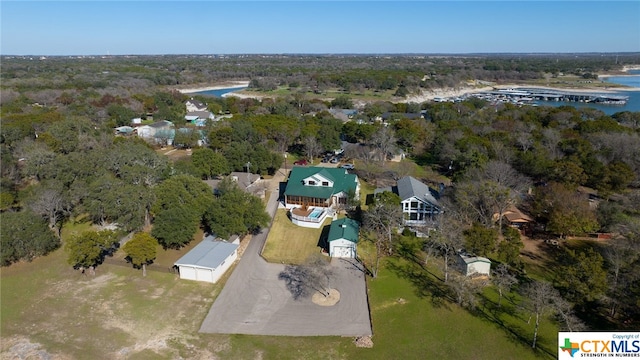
(317, 27)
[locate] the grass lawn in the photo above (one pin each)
(118, 314)
(47, 307)
(289, 243)
(410, 320)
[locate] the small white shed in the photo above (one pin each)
(474, 265)
(343, 237)
(207, 261)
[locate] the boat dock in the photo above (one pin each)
(530, 94)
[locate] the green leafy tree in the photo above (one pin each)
(509, 248)
(209, 163)
(342, 102)
(186, 138)
(24, 236)
(583, 278)
(569, 172)
(182, 191)
(141, 250)
(87, 250)
(120, 114)
(110, 200)
(620, 175)
(235, 212)
(563, 210)
(480, 240)
(175, 227)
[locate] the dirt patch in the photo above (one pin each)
(534, 250)
(363, 342)
(17, 347)
(329, 300)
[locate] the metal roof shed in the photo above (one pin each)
(207, 261)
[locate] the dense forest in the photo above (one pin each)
(61, 159)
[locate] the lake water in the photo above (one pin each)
(220, 92)
(633, 104)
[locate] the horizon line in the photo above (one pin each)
(637, 52)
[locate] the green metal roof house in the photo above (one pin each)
(343, 237)
(313, 193)
(319, 186)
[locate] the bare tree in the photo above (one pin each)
(37, 156)
(466, 290)
(448, 237)
(490, 191)
(551, 139)
(568, 319)
(619, 254)
(503, 280)
(304, 280)
(50, 202)
(430, 249)
(539, 298)
(384, 142)
(312, 147)
(382, 218)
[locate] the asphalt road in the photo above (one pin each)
(255, 302)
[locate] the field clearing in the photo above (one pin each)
(289, 243)
(51, 311)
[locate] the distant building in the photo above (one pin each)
(159, 132)
(247, 182)
(195, 105)
(199, 117)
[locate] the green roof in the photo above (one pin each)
(342, 182)
(344, 228)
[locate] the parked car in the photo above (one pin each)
(348, 166)
(334, 160)
(301, 162)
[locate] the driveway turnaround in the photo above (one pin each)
(254, 301)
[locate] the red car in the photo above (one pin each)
(301, 162)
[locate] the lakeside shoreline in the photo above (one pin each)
(224, 85)
(429, 95)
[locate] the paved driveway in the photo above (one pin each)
(255, 302)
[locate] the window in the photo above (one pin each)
(311, 182)
(325, 183)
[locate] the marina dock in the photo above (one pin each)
(530, 94)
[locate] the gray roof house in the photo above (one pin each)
(195, 105)
(419, 202)
(246, 181)
(208, 260)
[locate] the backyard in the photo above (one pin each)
(49, 308)
(289, 243)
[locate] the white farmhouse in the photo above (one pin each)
(195, 105)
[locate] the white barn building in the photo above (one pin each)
(208, 261)
(474, 265)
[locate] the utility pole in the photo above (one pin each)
(248, 165)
